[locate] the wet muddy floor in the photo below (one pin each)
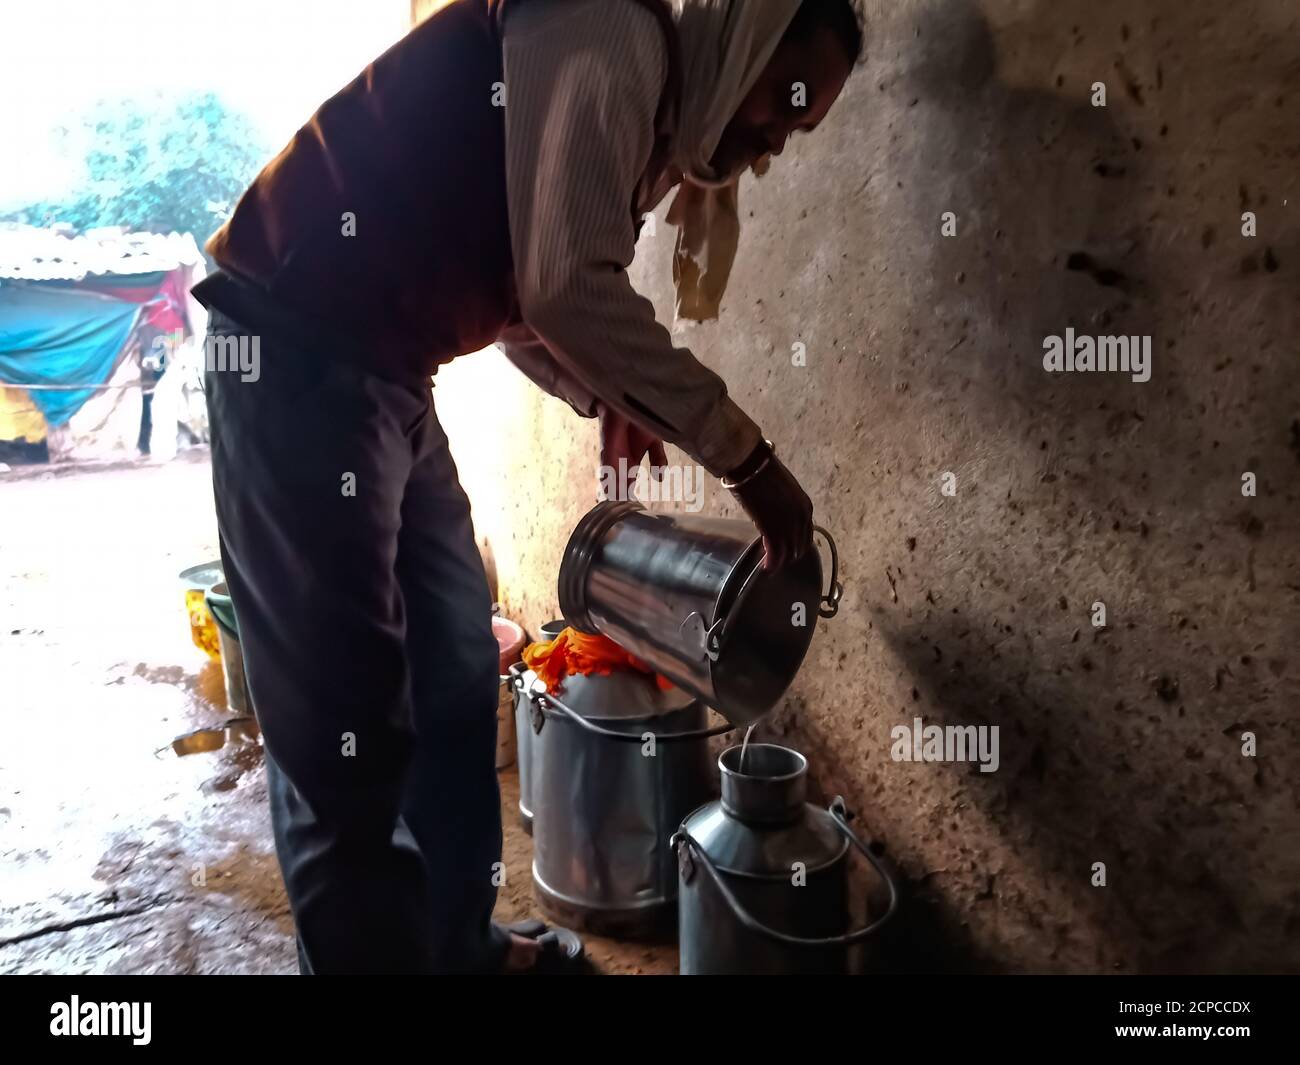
(117, 855)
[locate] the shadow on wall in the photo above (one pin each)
(1040, 183)
(1065, 788)
(1081, 223)
(1085, 217)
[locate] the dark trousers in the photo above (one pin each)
(365, 620)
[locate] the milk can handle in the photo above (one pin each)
(830, 604)
(514, 676)
(753, 924)
(545, 701)
(827, 608)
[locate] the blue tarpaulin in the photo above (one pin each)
(52, 335)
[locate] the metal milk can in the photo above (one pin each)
(624, 763)
(764, 875)
(688, 596)
(528, 744)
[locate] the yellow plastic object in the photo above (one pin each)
(203, 627)
(20, 418)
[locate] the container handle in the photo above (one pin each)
(546, 704)
(839, 813)
(830, 604)
(515, 678)
(828, 607)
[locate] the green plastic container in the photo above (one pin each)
(232, 656)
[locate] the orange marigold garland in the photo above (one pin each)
(580, 652)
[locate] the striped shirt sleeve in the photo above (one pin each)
(530, 355)
(583, 82)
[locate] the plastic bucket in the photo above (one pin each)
(510, 643)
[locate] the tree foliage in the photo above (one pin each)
(157, 163)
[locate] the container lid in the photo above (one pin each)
(203, 576)
(620, 696)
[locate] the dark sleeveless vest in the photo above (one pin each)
(414, 149)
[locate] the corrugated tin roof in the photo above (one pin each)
(30, 253)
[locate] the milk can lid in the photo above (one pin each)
(620, 696)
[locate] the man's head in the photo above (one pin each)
(797, 87)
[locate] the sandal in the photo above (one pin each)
(562, 952)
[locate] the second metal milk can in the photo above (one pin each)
(623, 763)
(528, 742)
(764, 875)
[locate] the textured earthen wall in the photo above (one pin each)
(1120, 744)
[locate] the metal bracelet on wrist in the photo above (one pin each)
(731, 485)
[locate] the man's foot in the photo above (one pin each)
(522, 954)
(538, 948)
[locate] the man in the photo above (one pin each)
(482, 181)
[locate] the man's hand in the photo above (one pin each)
(777, 504)
(622, 438)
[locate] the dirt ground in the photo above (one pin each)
(118, 856)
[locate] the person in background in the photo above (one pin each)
(153, 361)
(482, 182)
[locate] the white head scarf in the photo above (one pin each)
(725, 44)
